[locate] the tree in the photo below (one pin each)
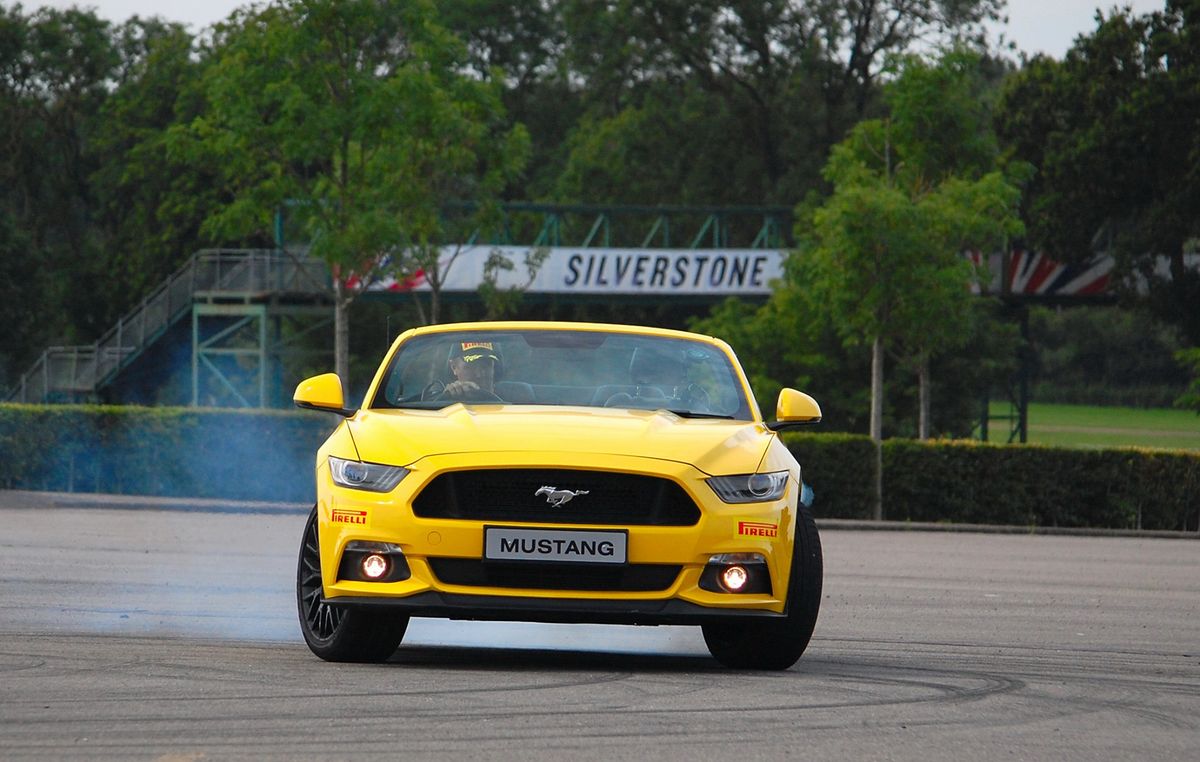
(880, 258)
(521, 47)
(20, 312)
(149, 202)
(501, 301)
(356, 115)
(748, 96)
(55, 67)
(887, 264)
(883, 253)
(1112, 130)
(911, 194)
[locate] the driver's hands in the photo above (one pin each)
(460, 389)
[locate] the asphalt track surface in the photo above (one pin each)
(167, 631)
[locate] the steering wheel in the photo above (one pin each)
(436, 390)
(433, 390)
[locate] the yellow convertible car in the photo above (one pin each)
(559, 472)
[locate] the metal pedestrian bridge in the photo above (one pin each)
(248, 292)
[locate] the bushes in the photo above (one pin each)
(268, 455)
(254, 455)
(976, 483)
(1041, 486)
(840, 469)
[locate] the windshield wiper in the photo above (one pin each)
(695, 414)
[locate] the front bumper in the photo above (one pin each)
(345, 515)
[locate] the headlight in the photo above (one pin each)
(749, 488)
(366, 476)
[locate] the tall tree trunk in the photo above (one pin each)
(877, 421)
(923, 396)
(341, 333)
(420, 303)
(877, 390)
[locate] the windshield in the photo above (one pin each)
(588, 368)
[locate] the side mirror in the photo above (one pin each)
(322, 392)
(793, 410)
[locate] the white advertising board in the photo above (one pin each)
(708, 272)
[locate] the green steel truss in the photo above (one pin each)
(247, 355)
(602, 226)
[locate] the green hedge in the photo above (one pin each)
(1027, 485)
(1041, 486)
(268, 455)
(840, 469)
(186, 452)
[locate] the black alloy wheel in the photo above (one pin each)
(337, 633)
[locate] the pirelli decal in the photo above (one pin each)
(758, 529)
(347, 516)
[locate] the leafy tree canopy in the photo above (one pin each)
(1114, 130)
(752, 94)
(357, 117)
(879, 262)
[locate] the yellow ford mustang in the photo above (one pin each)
(559, 472)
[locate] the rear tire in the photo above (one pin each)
(777, 643)
(337, 633)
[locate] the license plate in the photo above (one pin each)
(561, 545)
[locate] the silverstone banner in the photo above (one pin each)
(708, 272)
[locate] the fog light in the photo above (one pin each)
(734, 578)
(371, 561)
(737, 574)
(374, 566)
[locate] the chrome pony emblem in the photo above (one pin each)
(557, 497)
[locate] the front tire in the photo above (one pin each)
(777, 644)
(337, 633)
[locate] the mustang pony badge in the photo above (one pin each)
(557, 497)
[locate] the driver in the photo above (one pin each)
(474, 365)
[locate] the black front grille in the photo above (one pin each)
(511, 495)
(631, 578)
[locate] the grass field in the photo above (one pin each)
(1087, 426)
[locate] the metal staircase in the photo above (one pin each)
(211, 276)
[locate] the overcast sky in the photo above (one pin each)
(1046, 26)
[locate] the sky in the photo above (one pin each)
(1045, 26)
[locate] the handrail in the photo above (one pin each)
(81, 370)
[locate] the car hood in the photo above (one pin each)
(715, 446)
